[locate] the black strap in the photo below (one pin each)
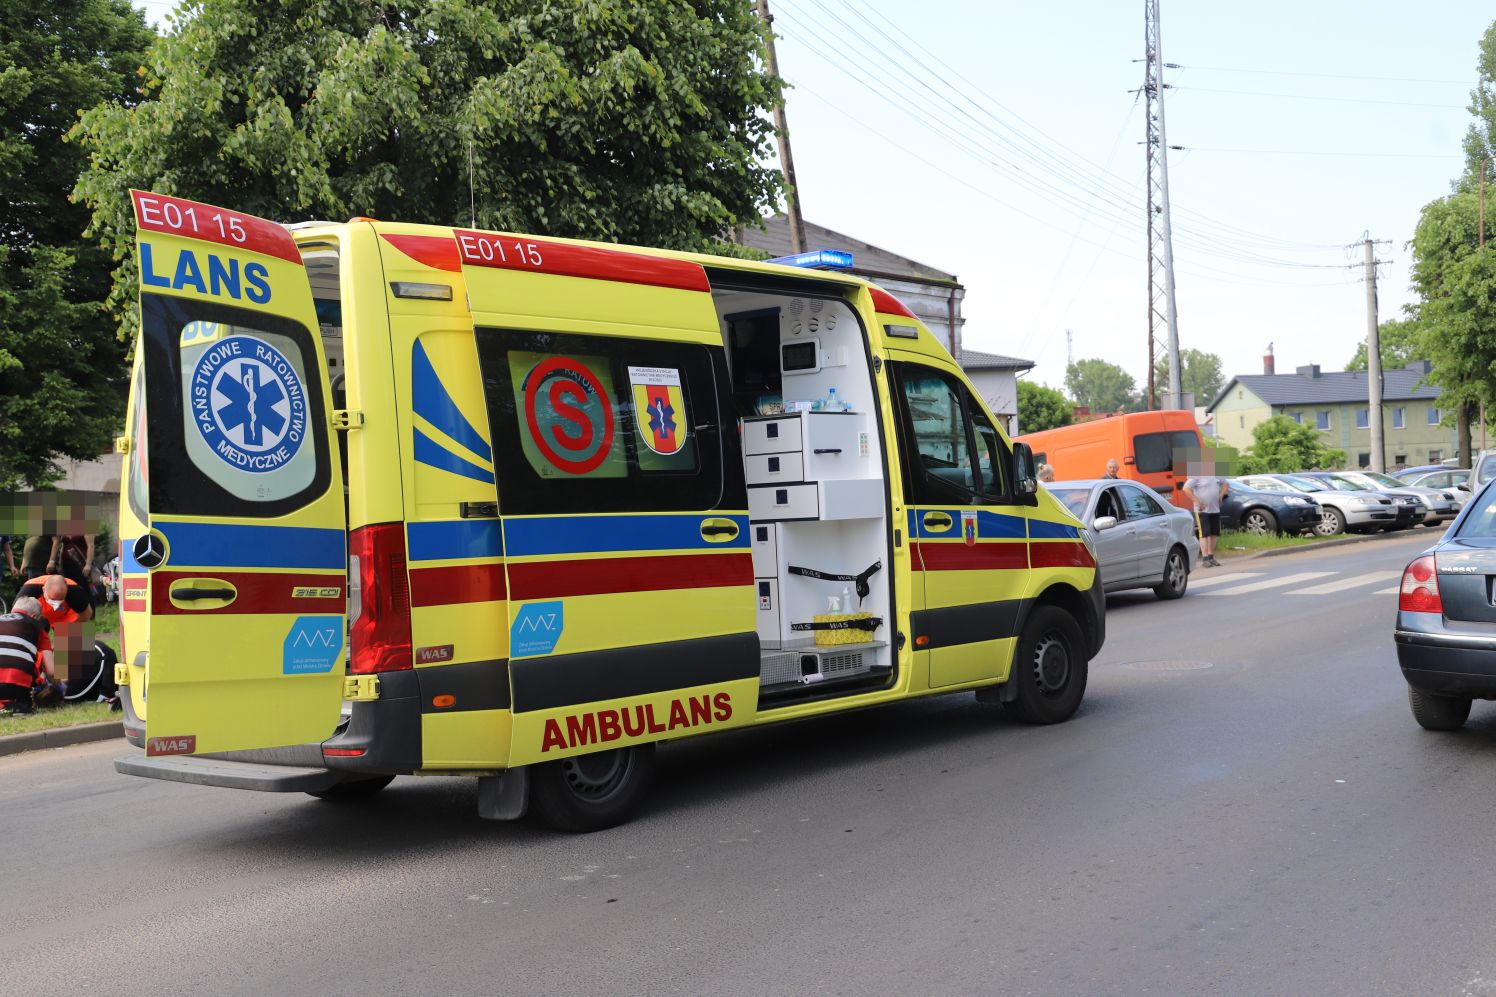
(869, 625)
(862, 586)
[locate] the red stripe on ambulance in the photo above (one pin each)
(556, 579)
(456, 583)
(257, 592)
(978, 557)
(433, 250)
(888, 304)
(489, 249)
(1060, 554)
(196, 220)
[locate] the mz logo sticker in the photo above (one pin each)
(537, 628)
(312, 646)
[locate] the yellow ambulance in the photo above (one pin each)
(417, 500)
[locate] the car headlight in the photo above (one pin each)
(1426, 501)
(1295, 500)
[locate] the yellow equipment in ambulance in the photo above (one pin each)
(414, 500)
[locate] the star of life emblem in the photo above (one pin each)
(248, 403)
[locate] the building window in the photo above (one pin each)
(1433, 416)
(1397, 417)
(1241, 421)
(1434, 456)
(1322, 419)
(1400, 460)
(1297, 417)
(1363, 418)
(1363, 460)
(1239, 395)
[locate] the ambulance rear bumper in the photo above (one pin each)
(378, 737)
(229, 773)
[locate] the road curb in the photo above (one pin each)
(60, 737)
(1342, 542)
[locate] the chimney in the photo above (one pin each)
(1267, 360)
(1310, 371)
(1420, 366)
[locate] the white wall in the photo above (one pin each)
(999, 389)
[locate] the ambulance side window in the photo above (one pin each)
(939, 463)
(587, 424)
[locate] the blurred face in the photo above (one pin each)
(1112, 467)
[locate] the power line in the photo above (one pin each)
(1326, 152)
(1324, 76)
(1311, 96)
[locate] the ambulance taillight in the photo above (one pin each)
(379, 600)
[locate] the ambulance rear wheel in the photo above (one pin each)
(356, 789)
(1049, 668)
(592, 792)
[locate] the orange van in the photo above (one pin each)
(1143, 442)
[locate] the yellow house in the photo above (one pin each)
(1335, 404)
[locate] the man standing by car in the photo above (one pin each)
(1112, 467)
(1206, 490)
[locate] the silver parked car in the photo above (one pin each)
(1140, 541)
(1339, 510)
(1440, 505)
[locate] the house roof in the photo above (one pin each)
(1332, 387)
(977, 360)
(774, 238)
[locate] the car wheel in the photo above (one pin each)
(1176, 575)
(354, 789)
(1049, 667)
(1259, 521)
(1434, 712)
(1331, 522)
(592, 792)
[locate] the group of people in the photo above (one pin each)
(48, 654)
(1204, 490)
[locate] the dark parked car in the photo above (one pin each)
(1258, 511)
(1409, 508)
(1446, 619)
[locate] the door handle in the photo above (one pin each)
(718, 530)
(937, 522)
(202, 594)
(827, 450)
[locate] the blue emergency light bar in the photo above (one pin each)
(818, 259)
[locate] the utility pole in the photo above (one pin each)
(1374, 361)
(1069, 349)
(1162, 308)
(786, 161)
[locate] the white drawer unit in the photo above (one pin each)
(774, 468)
(767, 590)
(765, 538)
(777, 434)
(781, 502)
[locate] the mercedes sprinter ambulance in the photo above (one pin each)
(409, 499)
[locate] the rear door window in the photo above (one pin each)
(1139, 504)
(236, 424)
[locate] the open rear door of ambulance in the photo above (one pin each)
(246, 551)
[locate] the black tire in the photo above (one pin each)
(354, 789)
(1434, 712)
(1049, 667)
(1331, 522)
(1176, 575)
(592, 792)
(1259, 521)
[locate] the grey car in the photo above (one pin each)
(1339, 511)
(1140, 541)
(1440, 505)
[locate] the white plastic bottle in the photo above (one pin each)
(833, 404)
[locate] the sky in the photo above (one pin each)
(1002, 142)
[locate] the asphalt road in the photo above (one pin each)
(1243, 805)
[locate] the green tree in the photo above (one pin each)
(1100, 386)
(1200, 372)
(61, 366)
(1400, 342)
(619, 120)
(1041, 407)
(1280, 446)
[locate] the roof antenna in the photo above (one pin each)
(472, 197)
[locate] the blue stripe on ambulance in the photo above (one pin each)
(440, 540)
(434, 404)
(433, 454)
(1040, 529)
(990, 525)
(526, 536)
(223, 545)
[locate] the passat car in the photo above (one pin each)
(1446, 619)
(1409, 508)
(1260, 510)
(1140, 541)
(1340, 511)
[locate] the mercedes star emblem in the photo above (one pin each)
(149, 550)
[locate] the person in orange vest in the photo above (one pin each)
(25, 658)
(63, 600)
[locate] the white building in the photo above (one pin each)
(996, 380)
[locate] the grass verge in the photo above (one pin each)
(63, 716)
(1235, 543)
